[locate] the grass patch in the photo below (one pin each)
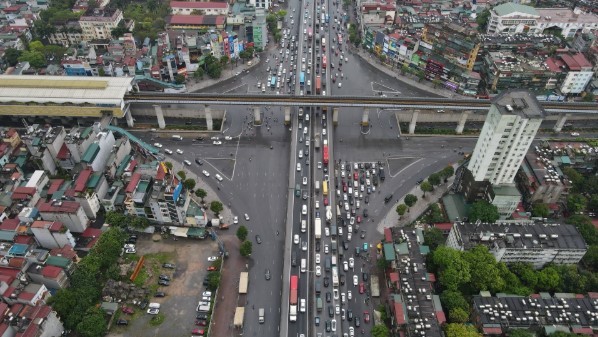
(157, 319)
(142, 277)
(161, 257)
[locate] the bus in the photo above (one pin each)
(325, 155)
(273, 82)
(302, 79)
(325, 187)
(324, 62)
(293, 298)
(334, 276)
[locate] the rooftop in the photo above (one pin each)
(550, 15)
(511, 8)
(209, 20)
(520, 102)
(197, 5)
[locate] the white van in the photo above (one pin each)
(303, 265)
(177, 137)
(261, 318)
(303, 226)
(317, 186)
(154, 305)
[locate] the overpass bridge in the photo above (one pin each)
(463, 108)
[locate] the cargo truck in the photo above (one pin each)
(293, 298)
(261, 318)
(318, 84)
(318, 228)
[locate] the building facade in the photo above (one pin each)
(98, 24)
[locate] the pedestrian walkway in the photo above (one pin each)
(392, 218)
(407, 79)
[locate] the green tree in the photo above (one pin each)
(198, 74)
(482, 20)
(401, 209)
(11, 56)
(410, 200)
(420, 75)
(453, 299)
(540, 210)
(382, 58)
(426, 187)
(454, 270)
(461, 330)
(201, 193)
(520, 333)
(380, 330)
(36, 46)
(189, 183)
(589, 97)
(458, 315)
(281, 14)
(215, 70)
(242, 233)
(577, 179)
(168, 165)
(526, 274)
(483, 211)
(117, 219)
(593, 202)
(447, 171)
(434, 214)
(548, 279)
(179, 79)
(590, 259)
(434, 179)
(120, 30)
(246, 248)
(182, 174)
(433, 238)
(93, 323)
(576, 203)
(216, 207)
(484, 272)
(382, 263)
(35, 58)
(213, 281)
(101, 72)
(436, 83)
(224, 60)
(585, 227)
(404, 68)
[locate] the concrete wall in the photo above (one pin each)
(176, 111)
(429, 116)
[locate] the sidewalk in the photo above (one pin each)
(392, 218)
(407, 79)
(228, 72)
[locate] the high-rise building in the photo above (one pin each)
(509, 129)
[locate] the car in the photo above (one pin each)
(179, 151)
(212, 258)
(199, 162)
(164, 277)
(158, 145)
(351, 331)
(303, 305)
(201, 322)
(349, 315)
(361, 287)
(330, 311)
(206, 294)
(258, 239)
(218, 177)
(267, 274)
(328, 297)
(365, 213)
(317, 258)
(345, 266)
(358, 219)
(327, 231)
(337, 309)
(304, 210)
(318, 271)
(319, 165)
(228, 138)
(130, 251)
(163, 283)
(153, 311)
(304, 180)
(366, 316)
(296, 239)
(349, 294)
(326, 202)
(169, 265)
(168, 151)
(122, 322)
(357, 322)
(217, 142)
(355, 280)
(246, 217)
(365, 276)
(304, 195)
(328, 326)
(160, 294)
(198, 331)
(317, 204)
(236, 220)
(575, 134)
(334, 324)
(211, 268)
(205, 173)
(335, 293)
(298, 167)
(127, 310)
(326, 250)
(304, 246)
(351, 220)
(129, 246)
(326, 281)
(351, 262)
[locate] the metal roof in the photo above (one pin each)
(28, 88)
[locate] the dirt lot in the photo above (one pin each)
(178, 307)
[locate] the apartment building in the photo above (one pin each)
(199, 8)
(97, 24)
(577, 72)
(70, 213)
(512, 241)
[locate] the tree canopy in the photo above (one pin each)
(483, 211)
(461, 330)
(246, 248)
(410, 200)
(216, 207)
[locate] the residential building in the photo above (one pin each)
(259, 29)
(38, 180)
(584, 41)
(538, 181)
(578, 72)
(97, 24)
(96, 155)
(76, 143)
(546, 313)
(76, 67)
(263, 4)
(199, 8)
(52, 234)
(51, 277)
(512, 241)
(70, 213)
(196, 22)
(515, 18)
(510, 127)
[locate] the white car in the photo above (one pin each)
(303, 306)
(335, 293)
(229, 137)
(327, 231)
(340, 231)
(158, 145)
(304, 246)
(246, 217)
(179, 151)
(349, 295)
(349, 229)
(214, 138)
(296, 239)
(351, 331)
(355, 280)
(326, 250)
(168, 151)
(334, 324)
(318, 258)
(317, 204)
(351, 262)
(345, 266)
(343, 300)
(218, 177)
(205, 173)
(236, 220)
(300, 154)
(340, 84)
(212, 258)
(217, 142)
(574, 134)
(298, 167)
(337, 309)
(304, 210)
(319, 165)
(318, 271)
(130, 251)
(304, 180)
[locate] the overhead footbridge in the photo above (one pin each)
(63, 96)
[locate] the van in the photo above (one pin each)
(176, 137)
(318, 287)
(319, 304)
(333, 261)
(317, 186)
(303, 265)
(333, 246)
(327, 263)
(387, 198)
(303, 226)
(294, 259)
(261, 318)
(381, 173)
(333, 230)
(188, 163)
(298, 190)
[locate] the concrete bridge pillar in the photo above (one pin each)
(114, 121)
(413, 122)
(159, 115)
(129, 117)
(257, 116)
(208, 114)
(287, 115)
(462, 121)
(335, 116)
(561, 122)
(365, 118)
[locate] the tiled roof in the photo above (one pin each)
(63, 207)
(197, 5)
(51, 271)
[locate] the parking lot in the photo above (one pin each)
(182, 295)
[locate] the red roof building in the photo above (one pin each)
(133, 183)
(81, 182)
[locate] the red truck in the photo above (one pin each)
(318, 84)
